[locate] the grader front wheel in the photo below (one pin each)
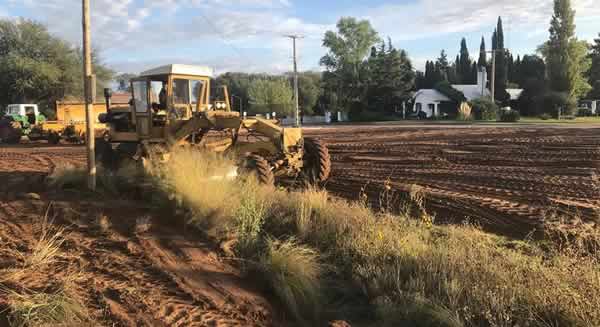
(317, 161)
(261, 169)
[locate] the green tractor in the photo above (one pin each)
(18, 120)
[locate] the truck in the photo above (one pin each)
(18, 120)
(25, 120)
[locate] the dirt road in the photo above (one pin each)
(132, 266)
(508, 179)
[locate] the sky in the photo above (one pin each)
(249, 35)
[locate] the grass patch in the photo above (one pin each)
(403, 269)
(69, 177)
(199, 181)
(32, 294)
(42, 309)
(292, 272)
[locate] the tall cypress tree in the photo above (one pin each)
(501, 63)
(510, 62)
(457, 71)
(517, 71)
(482, 62)
(465, 63)
(594, 74)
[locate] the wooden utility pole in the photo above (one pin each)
(296, 93)
(89, 90)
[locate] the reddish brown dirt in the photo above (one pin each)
(136, 266)
(506, 179)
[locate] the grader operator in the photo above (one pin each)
(171, 106)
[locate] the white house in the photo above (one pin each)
(429, 100)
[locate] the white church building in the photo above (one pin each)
(428, 100)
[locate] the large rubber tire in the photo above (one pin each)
(105, 155)
(317, 161)
(261, 168)
(53, 138)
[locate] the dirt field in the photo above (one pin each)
(133, 266)
(138, 268)
(508, 179)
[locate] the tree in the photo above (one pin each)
(123, 81)
(271, 95)
(482, 62)
(531, 67)
(392, 78)
(566, 57)
(456, 72)
(532, 78)
(40, 68)
(594, 72)
(345, 61)
(464, 65)
(309, 91)
(443, 65)
(501, 64)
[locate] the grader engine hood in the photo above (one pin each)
(292, 138)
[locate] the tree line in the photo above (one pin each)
(37, 67)
(563, 70)
(362, 73)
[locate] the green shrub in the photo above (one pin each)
(509, 116)
(484, 109)
(584, 112)
(545, 116)
(553, 102)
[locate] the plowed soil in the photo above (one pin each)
(508, 179)
(134, 266)
(139, 268)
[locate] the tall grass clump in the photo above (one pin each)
(292, 272)
(32, 293)
(43, 309)
(201, 181)
(70, 177)
(241, 208)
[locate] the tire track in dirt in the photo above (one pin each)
(509, 179)
(159, 277)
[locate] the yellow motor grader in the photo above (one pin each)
(171, 106)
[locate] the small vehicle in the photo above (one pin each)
(19, 120)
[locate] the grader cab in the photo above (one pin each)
(172, 106)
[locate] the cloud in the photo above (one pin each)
(430, 18)
(152, 30)
(248, 34)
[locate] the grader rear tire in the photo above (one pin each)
(104, 154)
(10, 131)
(53, 138)
(317, 159)
(260, 167)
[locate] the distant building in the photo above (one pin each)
(120, 98)
(429, 101)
